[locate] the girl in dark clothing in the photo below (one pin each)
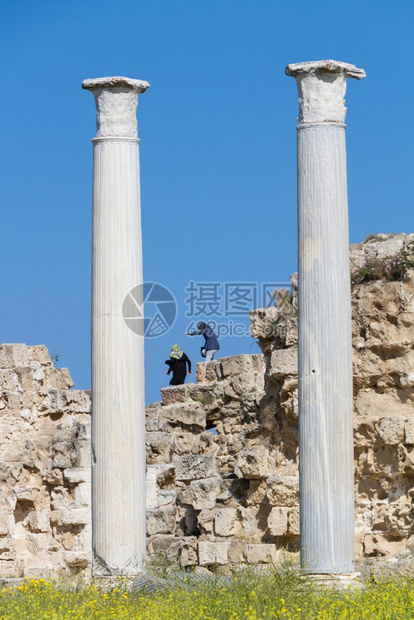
(177, 365)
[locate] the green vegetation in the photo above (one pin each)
(389, 269)
(206, 399)
(250, 596)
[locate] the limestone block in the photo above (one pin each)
(205, 520)
(151, 419)
(194, 466)
(212, 552)
(370, 403)
(77, 401)
(407, 380)
(40, 354)
(83, 452)
(391, 430)
(63, 454)
(205, 492)
(252, 463)
(294, 522)
(166, 497)
(9, 381)
(244, 383)
(158, 447)
(161, 521)
(74, 475)
(7, 548)
(237, 552)
(236, 365)
(6, 523)
(19, 354)
(185, 443)
(409, 431)
(188, 418)
(82, 494)
(277, 521)
(379, 545)
(174, 394)
(39, 521)
(201, 372)
(225, 522)
(261, 553)
(77, 559)
(258, 363)
(283, 490)
(75, 516)
(214, 371)
(383, 247)
(188, 552)
(283, 362)
(165, 545)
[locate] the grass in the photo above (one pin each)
(250, 596)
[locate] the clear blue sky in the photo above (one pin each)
(217, 153)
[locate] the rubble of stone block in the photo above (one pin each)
(222, 453)
(230, 441)
(45, 466)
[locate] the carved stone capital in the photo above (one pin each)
(321, 87)
(116, 101)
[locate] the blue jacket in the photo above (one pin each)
(212, 343)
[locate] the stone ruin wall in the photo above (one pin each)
(222, 476)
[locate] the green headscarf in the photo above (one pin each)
(176, 352)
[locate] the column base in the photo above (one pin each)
(340, 581)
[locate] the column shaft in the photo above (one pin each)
(118, 425)
(325, 353)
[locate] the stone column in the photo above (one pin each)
(325, 349)
(118, 406)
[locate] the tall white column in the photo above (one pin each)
(325, 350)
(118, 406)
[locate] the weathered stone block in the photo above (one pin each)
(201, 372)
(205, 492)
(82, 494)
(277, 521)
(174, 394)
(166, 497)
(294, 522)
(161, 521)
(236, 365)
(283, 490)
(77, 559)
(176, 416)
(225, 522)
(391, 430)
(158, 447)
(252, 463)
(195, 466)
(74, 475)
(205, 520)
(212, 552)
(151, 419)
(39, 521)
(75, 516)
(409, 431)
(261, 553)
(283, 362)
(237, 552)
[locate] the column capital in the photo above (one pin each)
(116, 101)
(321, 87)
